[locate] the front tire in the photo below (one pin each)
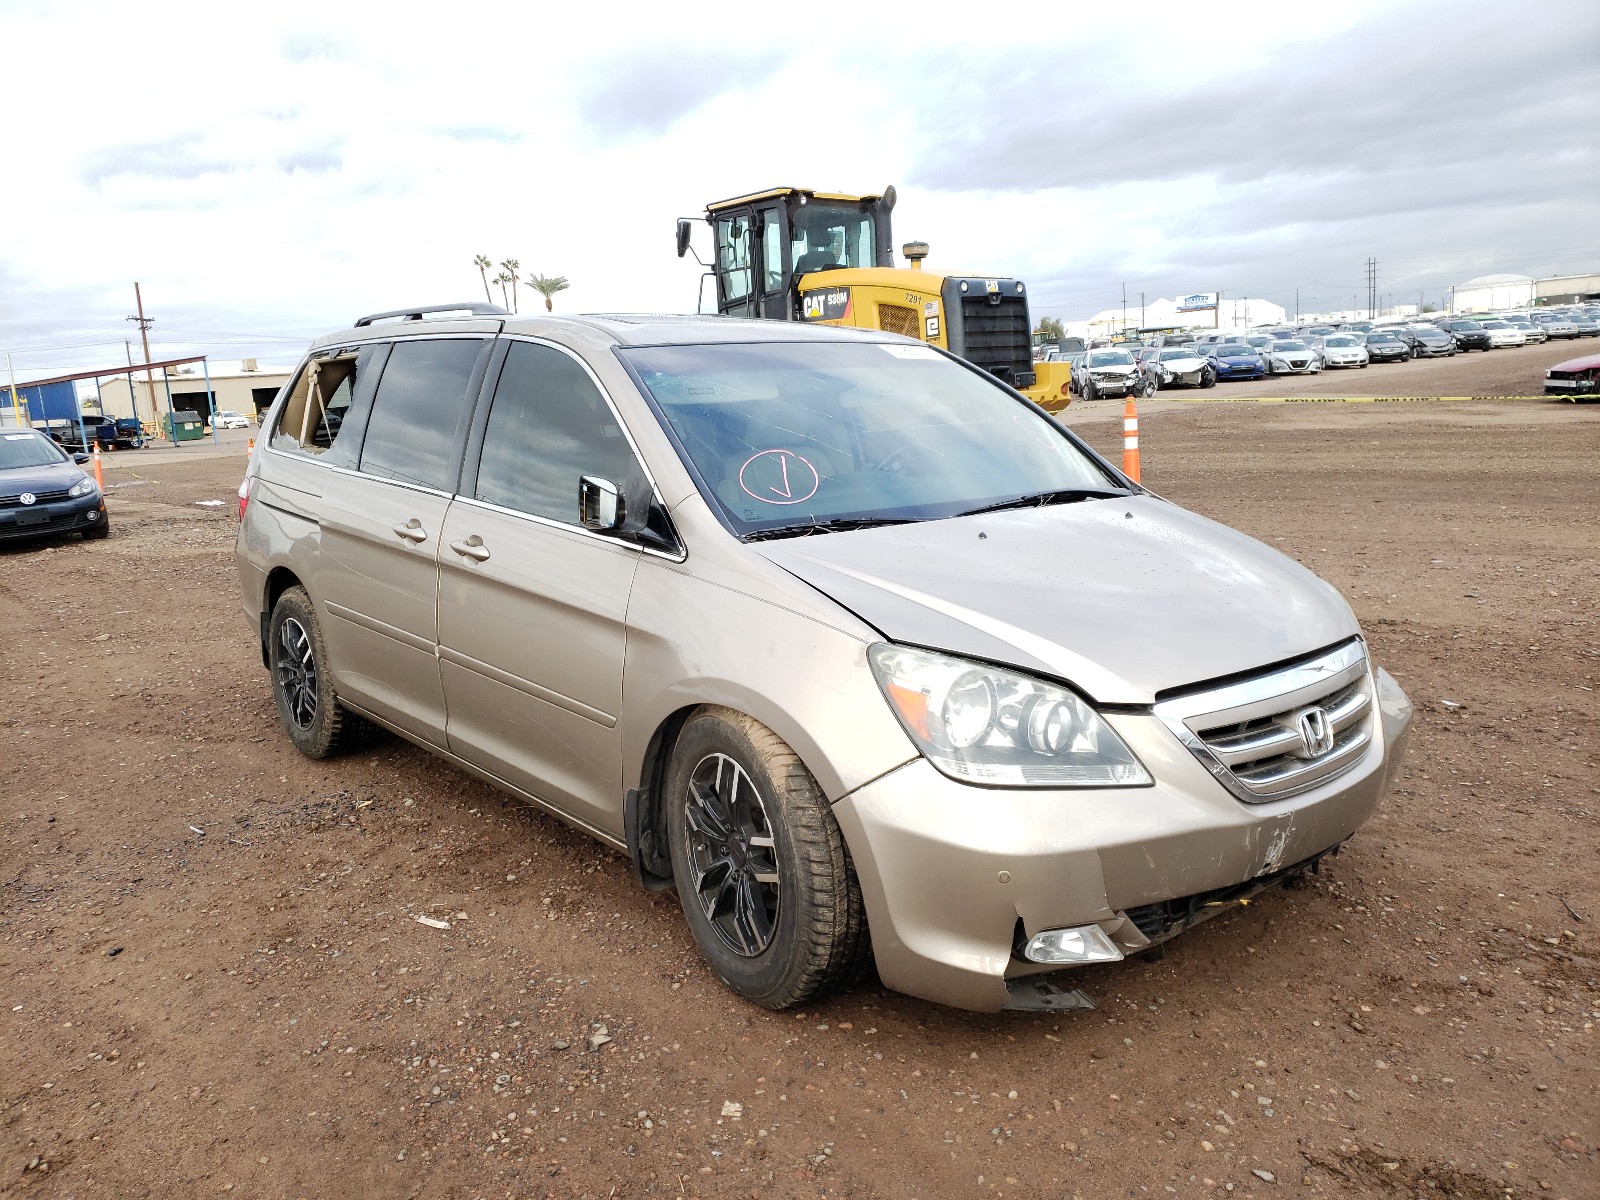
(1208, 378)
(317, 724)
(762, 871)
(99, 531)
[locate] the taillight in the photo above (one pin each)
(244, 495)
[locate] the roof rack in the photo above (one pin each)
(475, 308)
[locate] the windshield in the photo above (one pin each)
(1340, 342)
(1291, 347)
(1382, 337)
(1110, 358)
(22, 449)
(787, 434)
(829, 234)
(1232, 350)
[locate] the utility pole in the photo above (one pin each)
(1124, 310)
(1297, 306)
(1142, 321)
(144, 338)
(1372, 288)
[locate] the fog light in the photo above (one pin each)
(1085, 944)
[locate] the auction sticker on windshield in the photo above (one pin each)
(912, 352)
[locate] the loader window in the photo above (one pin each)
(831, 234)
(733, 258)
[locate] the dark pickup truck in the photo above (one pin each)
(109, 433)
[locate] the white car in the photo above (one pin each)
(1292, 358)
(228, 419)
(1532, 332)
(1503, 333)
(1343, 350)
(1176, 365)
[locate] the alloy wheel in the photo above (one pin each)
(732, 855)
(297, 672)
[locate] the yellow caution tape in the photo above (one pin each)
(1337, 399)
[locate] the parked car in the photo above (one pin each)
(92, 429)
(229, 419)
(1468, 335)
(1429, 341)
(1532, 332)
(1556, 326)
(776, 611)
(1342, 350)
(1386, 345)
(43, 491)
(1107, 372)
(1503, 334)
(1175, 366)
(1236, 360)
(1586, 325)
(1292, 358)
(1573, 378)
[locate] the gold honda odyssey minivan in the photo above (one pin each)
(829, 630)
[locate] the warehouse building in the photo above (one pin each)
(247, 389)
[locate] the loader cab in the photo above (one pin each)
(765, 241)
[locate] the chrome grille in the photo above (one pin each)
(1283, 733)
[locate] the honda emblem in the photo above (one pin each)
(1316, 733)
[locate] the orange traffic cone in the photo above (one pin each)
(251, 449)
(99, 478)
(1130, 441)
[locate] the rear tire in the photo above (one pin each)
(762, 871)
(297, 657)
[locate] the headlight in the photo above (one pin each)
(982, 724)
(82, 488)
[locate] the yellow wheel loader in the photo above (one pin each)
(788, 254)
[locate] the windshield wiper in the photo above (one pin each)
(837, 525)
(1041, 499)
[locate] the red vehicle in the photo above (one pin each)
(1573, 378)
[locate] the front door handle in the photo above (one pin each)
(412, 531)
(472, 548)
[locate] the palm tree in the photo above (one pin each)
(511, 266)
(481, 261)
(547, 286)
(502, 279)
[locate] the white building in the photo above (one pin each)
(1492, 293)
(1227, 314)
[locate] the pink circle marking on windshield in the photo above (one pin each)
(779, 477)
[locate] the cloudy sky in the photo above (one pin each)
(269, 172)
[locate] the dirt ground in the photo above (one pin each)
(214, 982)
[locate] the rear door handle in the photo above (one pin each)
(412, 531)
(472, 548)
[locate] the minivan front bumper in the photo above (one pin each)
(957, 878)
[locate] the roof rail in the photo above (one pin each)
(475, 308)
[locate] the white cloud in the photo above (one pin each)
(280, 170)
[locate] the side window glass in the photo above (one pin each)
(548, 428)
(420, 410)
(773, 235)
(314, 415)
(733, 257)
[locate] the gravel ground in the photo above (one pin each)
(215, 982)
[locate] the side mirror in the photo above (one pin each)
(80, 457)
(684, 229)
(600, 505)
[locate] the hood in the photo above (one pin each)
(1121, 597)
(48, 478)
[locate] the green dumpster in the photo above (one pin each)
(185, 427)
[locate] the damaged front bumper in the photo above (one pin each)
(961, 881)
